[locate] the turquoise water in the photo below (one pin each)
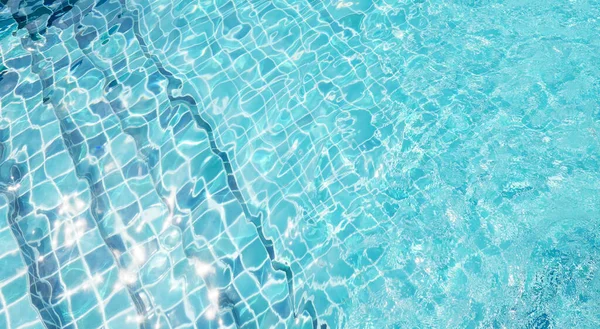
(299, 164)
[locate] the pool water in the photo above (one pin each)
(299, 164)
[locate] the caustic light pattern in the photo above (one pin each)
(299, 164)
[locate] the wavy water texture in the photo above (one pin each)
(299, 164)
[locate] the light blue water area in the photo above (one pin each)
(299, 164)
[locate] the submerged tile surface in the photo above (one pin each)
(299, 164)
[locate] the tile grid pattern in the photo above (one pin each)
(257, 164)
